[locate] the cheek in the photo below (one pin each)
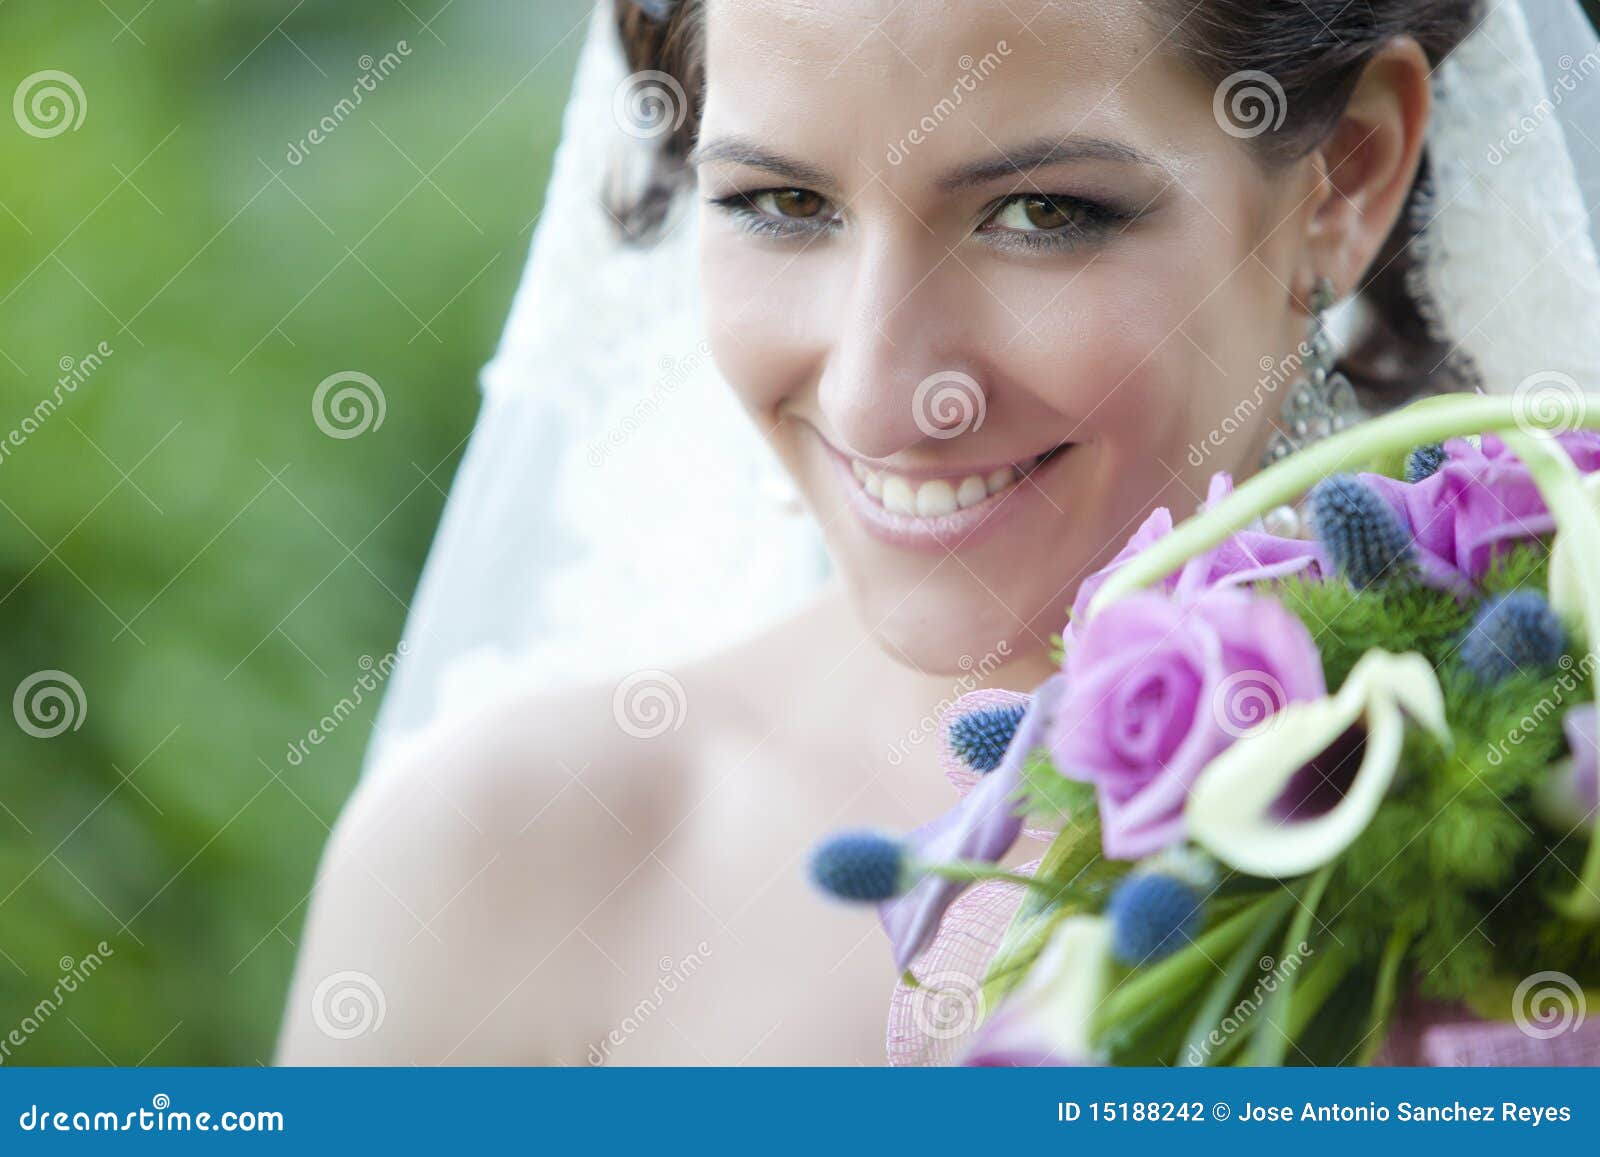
(762, 318)
(1104, 352)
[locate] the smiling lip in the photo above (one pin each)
(962, 528)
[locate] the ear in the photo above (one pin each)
(1367, 165)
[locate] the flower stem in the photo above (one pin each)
(970, 871)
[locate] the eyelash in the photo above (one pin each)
(1099, 219)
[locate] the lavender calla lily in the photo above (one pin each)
(983, 826)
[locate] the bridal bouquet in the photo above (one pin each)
(1302, 795)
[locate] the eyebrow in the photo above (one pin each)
(739, 151)
(1042, 154)
(1013, 162)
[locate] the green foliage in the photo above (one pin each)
(178, 535)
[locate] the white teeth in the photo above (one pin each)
(972, 491)
(937, 496)
(898, 497)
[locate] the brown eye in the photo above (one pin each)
(798, 204)
(1043, 213)
(1033, 213)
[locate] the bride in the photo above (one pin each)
(993, 280)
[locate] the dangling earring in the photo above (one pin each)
(1321, 401)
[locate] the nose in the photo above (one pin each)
(897, 374)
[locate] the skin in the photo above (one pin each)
(520, 883)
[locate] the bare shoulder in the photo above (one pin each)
(449, 919)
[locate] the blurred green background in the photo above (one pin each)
(177, 534)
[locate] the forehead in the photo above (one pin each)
(859, 75)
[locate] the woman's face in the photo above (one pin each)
(994, 282)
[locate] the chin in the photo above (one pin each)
(944, 620)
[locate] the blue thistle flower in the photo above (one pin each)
(1364, 538)
(1153, 914)
(980, 738)
(1424, 462)
(863, 866)
(1511, 633)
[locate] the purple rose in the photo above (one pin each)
(1475, 506)
(1250, 555)
(1157, 686)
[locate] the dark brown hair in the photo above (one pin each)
(1313, 50)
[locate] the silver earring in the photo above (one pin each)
(1321, 401)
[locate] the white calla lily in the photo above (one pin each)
(1231, 812)
(1570, 555)
(1047, 1020)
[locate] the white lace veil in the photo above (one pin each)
(615, 510)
